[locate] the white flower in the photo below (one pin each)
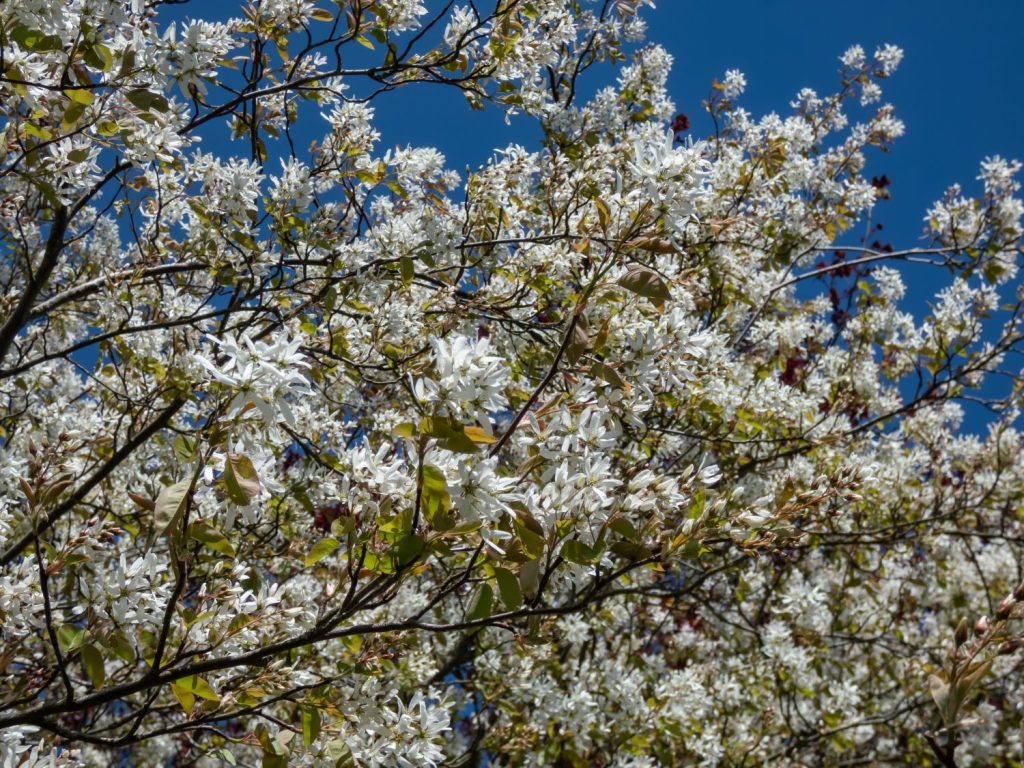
(735, 83)
(467, 379)
(265, 375)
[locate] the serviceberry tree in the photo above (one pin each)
(620, 450)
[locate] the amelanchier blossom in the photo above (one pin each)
(617, 450)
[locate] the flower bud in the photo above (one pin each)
(962, 632)
(1009, 646)
(1018, 593)
(1004, 607)
(981, 626)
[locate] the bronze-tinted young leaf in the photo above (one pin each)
(647, 283)
(170, 505)
(240, 479)
(653, 245)
(579, 341)
(142, 502)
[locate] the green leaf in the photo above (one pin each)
(98, 56)
(409, 548)
(630, 550)
(647, 283)
(603, 214)
(70, 638)
(577, 552)
(321, 14)
(184, 697)
(36, 131)
(435, 499)
(341, 754)
(320, 550)
(240, 479)
(146, 100)
(478, 435)
(170, 506)
(483, 604)
(212, 537)
(35, 40)
(406, 429)
(274, 756)
(696, 505)
(107, 128)
(451, 435)
(79, 95)
(92, 660)
(440, 427)
(530, 534)
(72, 115)
(624, 528)
(198, 687)
(310, 724)
(508, 588)
(459, 442)
(606, 373)
(407, 271)
(184, 448)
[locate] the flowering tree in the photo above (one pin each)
(613, 453)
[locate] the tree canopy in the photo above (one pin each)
(617, 450)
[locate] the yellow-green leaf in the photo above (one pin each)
(478, 435)
(310, 724)
(92, 660)
(320, 550)
(212, 537)
(197, 686)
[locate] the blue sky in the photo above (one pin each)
(960, 88)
